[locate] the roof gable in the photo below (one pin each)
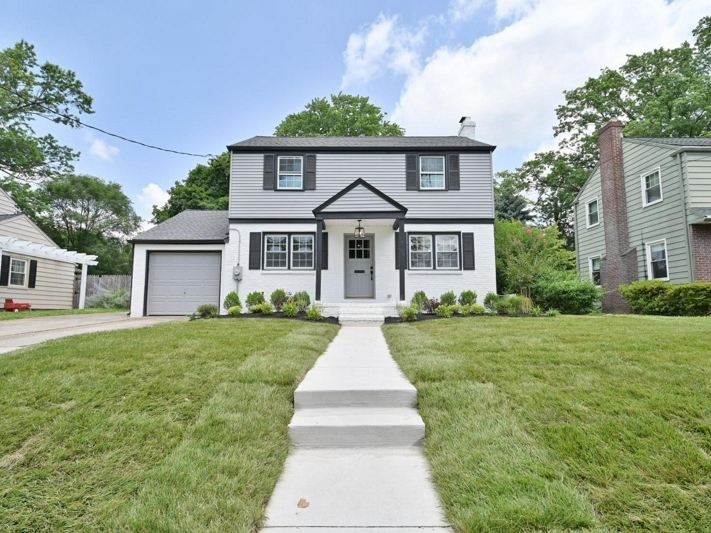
(360, 197)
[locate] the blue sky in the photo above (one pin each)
(195, 76)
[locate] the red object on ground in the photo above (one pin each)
(11, 306)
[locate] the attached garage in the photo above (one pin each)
(179, 282)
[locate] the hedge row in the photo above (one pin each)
(660, 298)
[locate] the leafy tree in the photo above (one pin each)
(509, 203)
(85, 214)
(29, 90)
(344, 116)
(207, 187)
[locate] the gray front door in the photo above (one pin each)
(360, 267)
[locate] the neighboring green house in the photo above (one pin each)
(645, 213)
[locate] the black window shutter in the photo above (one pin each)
(310, 174)
(269, 183)
(398, 246)
(453, 172)
(324, 251)
(468, 251)
(255, 250)
(33, 274)
(5, 271)
(411, 181)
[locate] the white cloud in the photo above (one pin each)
(511, 81)
(151, 195)
(383, 46)
(102, 149)
(461, 10)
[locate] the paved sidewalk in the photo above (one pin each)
(16, 334)
(357, 460)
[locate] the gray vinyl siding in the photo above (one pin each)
(384, 171)
(23, 229)
(7, 206)
(698, 169)
(359, 199)
(662, 220)
(54, 287)
(590, 241)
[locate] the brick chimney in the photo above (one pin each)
(619, 266)
(467, 127)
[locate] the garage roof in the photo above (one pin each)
(191, 226)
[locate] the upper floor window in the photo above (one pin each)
(434, 252)
(592, 213)
(595, 270)
(651, 188)
(290, 173)
(657, 267)
(18, 272)
(432, 172)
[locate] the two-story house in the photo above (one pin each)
(346, 219)
(645, 213)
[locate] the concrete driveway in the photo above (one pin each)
(15, 334)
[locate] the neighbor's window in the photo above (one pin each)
(432, 172)
(275, 251)
(302, 251)
(657, 260)
(447, 251)
(593, 217)
(18, 271)
(595, 270)
(290, 174)
(652, 188)
(420, 251)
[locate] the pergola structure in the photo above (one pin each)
(31, 249)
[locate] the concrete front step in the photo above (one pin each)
(356, 427)
(361, 320)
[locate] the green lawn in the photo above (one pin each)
(34, 314)
(178, 427)
(572, 423)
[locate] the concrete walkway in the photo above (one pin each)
(16, 334)
(357, 460)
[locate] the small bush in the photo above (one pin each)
(255, 298)
(409, 313)
(432, 305)
(536, 311)
(118, 299)
(448, 298)
(490, 301)
(473, 309)
(278, 298)
(515, 305)
(467, 298)
(656, 297)
(502, 306)
(234, 310)
(290, 308)
(265, 308)
(207, 311)
(552, 313)
(231, 300)
(526, 305)
(447, 311)
(570, 295)
(646, 297)
(420, 300)
(303, 299)
(314, 313)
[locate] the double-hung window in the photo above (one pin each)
(302, 251)
(276, 251)
(652, 188)
(286, 251)
(657, 267)
(428, 252)
(290, 174)
(595, 270)
(432, 172)
(18, 273)
(592, 213)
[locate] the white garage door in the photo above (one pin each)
(178, 283)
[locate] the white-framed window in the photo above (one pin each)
(276, 251)
(593, 215)
(436, 251)
(290, 175)
(302, 251)
(657, 264)
(432, 172)
(652, 187)
(18, 273)
(594, 263)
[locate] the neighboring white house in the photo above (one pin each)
(33, 269)
(347, 219)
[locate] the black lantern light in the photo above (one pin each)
(359, 231)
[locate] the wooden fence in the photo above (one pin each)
(95, 285)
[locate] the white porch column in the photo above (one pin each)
(82, 287)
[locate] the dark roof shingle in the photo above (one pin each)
(190, 226)
(362, 143)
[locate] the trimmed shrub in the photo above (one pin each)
(207, 311)
(502, 306)
(118, 299)
(447, 311)
(448, 298)
(409, 313)
(656, 297)
(473, 309)
(467, 298)
(314, 313)
(303, 299)
(265, 308)
(646, 297)
(570, 295)
(290, 308)
(490, 300)
(419, 300)
(231, 300)
(255, 298)
(234, 310)
(278, 298)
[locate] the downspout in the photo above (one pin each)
(692, 275)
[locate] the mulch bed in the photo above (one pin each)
(280, 314)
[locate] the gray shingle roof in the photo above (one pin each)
(676, 141)
(362, 143)
(189, 226)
